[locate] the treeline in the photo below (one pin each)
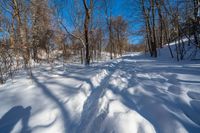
(170, 21)
(26, 29)
(37, 31)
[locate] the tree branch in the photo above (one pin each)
(73, 35)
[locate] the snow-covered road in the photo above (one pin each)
(132, 94)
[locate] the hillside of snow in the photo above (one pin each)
(131, 94)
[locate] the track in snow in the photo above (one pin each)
(129, 94)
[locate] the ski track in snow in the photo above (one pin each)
(132, 94)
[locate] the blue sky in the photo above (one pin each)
(130, 11)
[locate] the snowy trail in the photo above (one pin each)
(127, 95)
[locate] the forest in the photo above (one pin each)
(48, 30)
(96, 59)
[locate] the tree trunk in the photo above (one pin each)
(154, 47)
(86, 27)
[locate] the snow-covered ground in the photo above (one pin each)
(131, 94)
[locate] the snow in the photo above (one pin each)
(134, 93)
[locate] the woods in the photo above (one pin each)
(168, 21)
(99, 66)
(38, 31)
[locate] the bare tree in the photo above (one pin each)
(88, 10)
(120, 34)
(107, 4)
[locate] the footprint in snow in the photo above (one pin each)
(194, 95)
(195, 105)
(175, 90)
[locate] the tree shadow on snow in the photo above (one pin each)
(13, 116)
(65, 114)
(157, 98)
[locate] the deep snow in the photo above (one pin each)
(130, 94)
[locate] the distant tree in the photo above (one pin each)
(120, 34)
(107, 7)
(41, 27)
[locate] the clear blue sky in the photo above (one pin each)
(130, 11)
